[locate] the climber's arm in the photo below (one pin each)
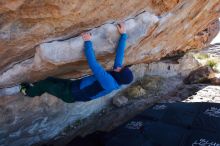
(121, 47)
(120, 51)
(105, 79)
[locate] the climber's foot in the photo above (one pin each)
(24, 87)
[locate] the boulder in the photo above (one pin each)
(120, 101)
(201, 75)
(40, 39)
(135, 91)
(215, 81)
(27, 24)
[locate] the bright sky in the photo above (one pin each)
(216, 39)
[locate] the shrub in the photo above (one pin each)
(212, 63)
(202, 56)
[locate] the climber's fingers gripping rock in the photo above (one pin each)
(121, 28)
(86, 36)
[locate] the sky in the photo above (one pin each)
(216, 39)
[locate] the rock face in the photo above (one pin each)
(26, 121)
(26, 24)
(39, 39)
(201, 75)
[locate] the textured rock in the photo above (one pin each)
(39, 38)
(195, 93)
(151, 34)
(26, 24)
(201, 75)
(150, 83)
(135, 91)
(120, 101)
(31, 120)
(215, 81)
(204, 38)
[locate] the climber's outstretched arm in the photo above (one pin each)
(105, 79)
(121, 47)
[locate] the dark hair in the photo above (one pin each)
(125, 76)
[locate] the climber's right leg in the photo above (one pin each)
(60, 88)
(36, 89)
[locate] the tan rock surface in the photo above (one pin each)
(26, 24)
(204, 37)
(40, 38)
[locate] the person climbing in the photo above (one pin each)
(94, 86)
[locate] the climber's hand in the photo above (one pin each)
(121, 28)
(86, 36)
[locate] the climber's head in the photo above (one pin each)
(123, 75)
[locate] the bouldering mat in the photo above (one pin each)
(168, 124)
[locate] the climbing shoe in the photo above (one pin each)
(24, 87)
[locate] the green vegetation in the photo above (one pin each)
(202, 56)
(205, 59)
(212, 63)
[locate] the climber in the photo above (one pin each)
(99, 84)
